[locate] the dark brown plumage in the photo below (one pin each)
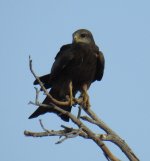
(80, 62)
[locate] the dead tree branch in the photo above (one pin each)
(83, 130)
(113, 137)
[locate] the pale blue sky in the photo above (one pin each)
(122, 99)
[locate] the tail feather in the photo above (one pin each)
(38, 112)
(42, 110)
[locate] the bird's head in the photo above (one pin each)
(83, 36)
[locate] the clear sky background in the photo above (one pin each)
(122, 99)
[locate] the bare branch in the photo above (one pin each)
(74, 133)
(114, 137)
(83, 130)
(42, 126)
(86, 118)
(37, 95)
(59, 133)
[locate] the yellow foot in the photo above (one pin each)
(70, 93)
(86, 102)
(84, 94)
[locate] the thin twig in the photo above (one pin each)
(42, 126)
(74, 133)
(37, 94)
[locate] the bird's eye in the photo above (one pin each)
(83, 35)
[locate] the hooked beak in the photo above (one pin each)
(76, 38)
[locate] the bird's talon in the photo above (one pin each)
(70, 92)
(71, 101)
(86, 102)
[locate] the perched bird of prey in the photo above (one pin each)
(81, 63)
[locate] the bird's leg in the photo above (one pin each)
(84, 94)
(70, 93)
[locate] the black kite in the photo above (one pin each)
(80, 62)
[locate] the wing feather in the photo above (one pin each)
(62, 59)
(100, 66)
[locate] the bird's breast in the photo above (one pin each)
(83, 67)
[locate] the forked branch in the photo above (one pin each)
(83, 130)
